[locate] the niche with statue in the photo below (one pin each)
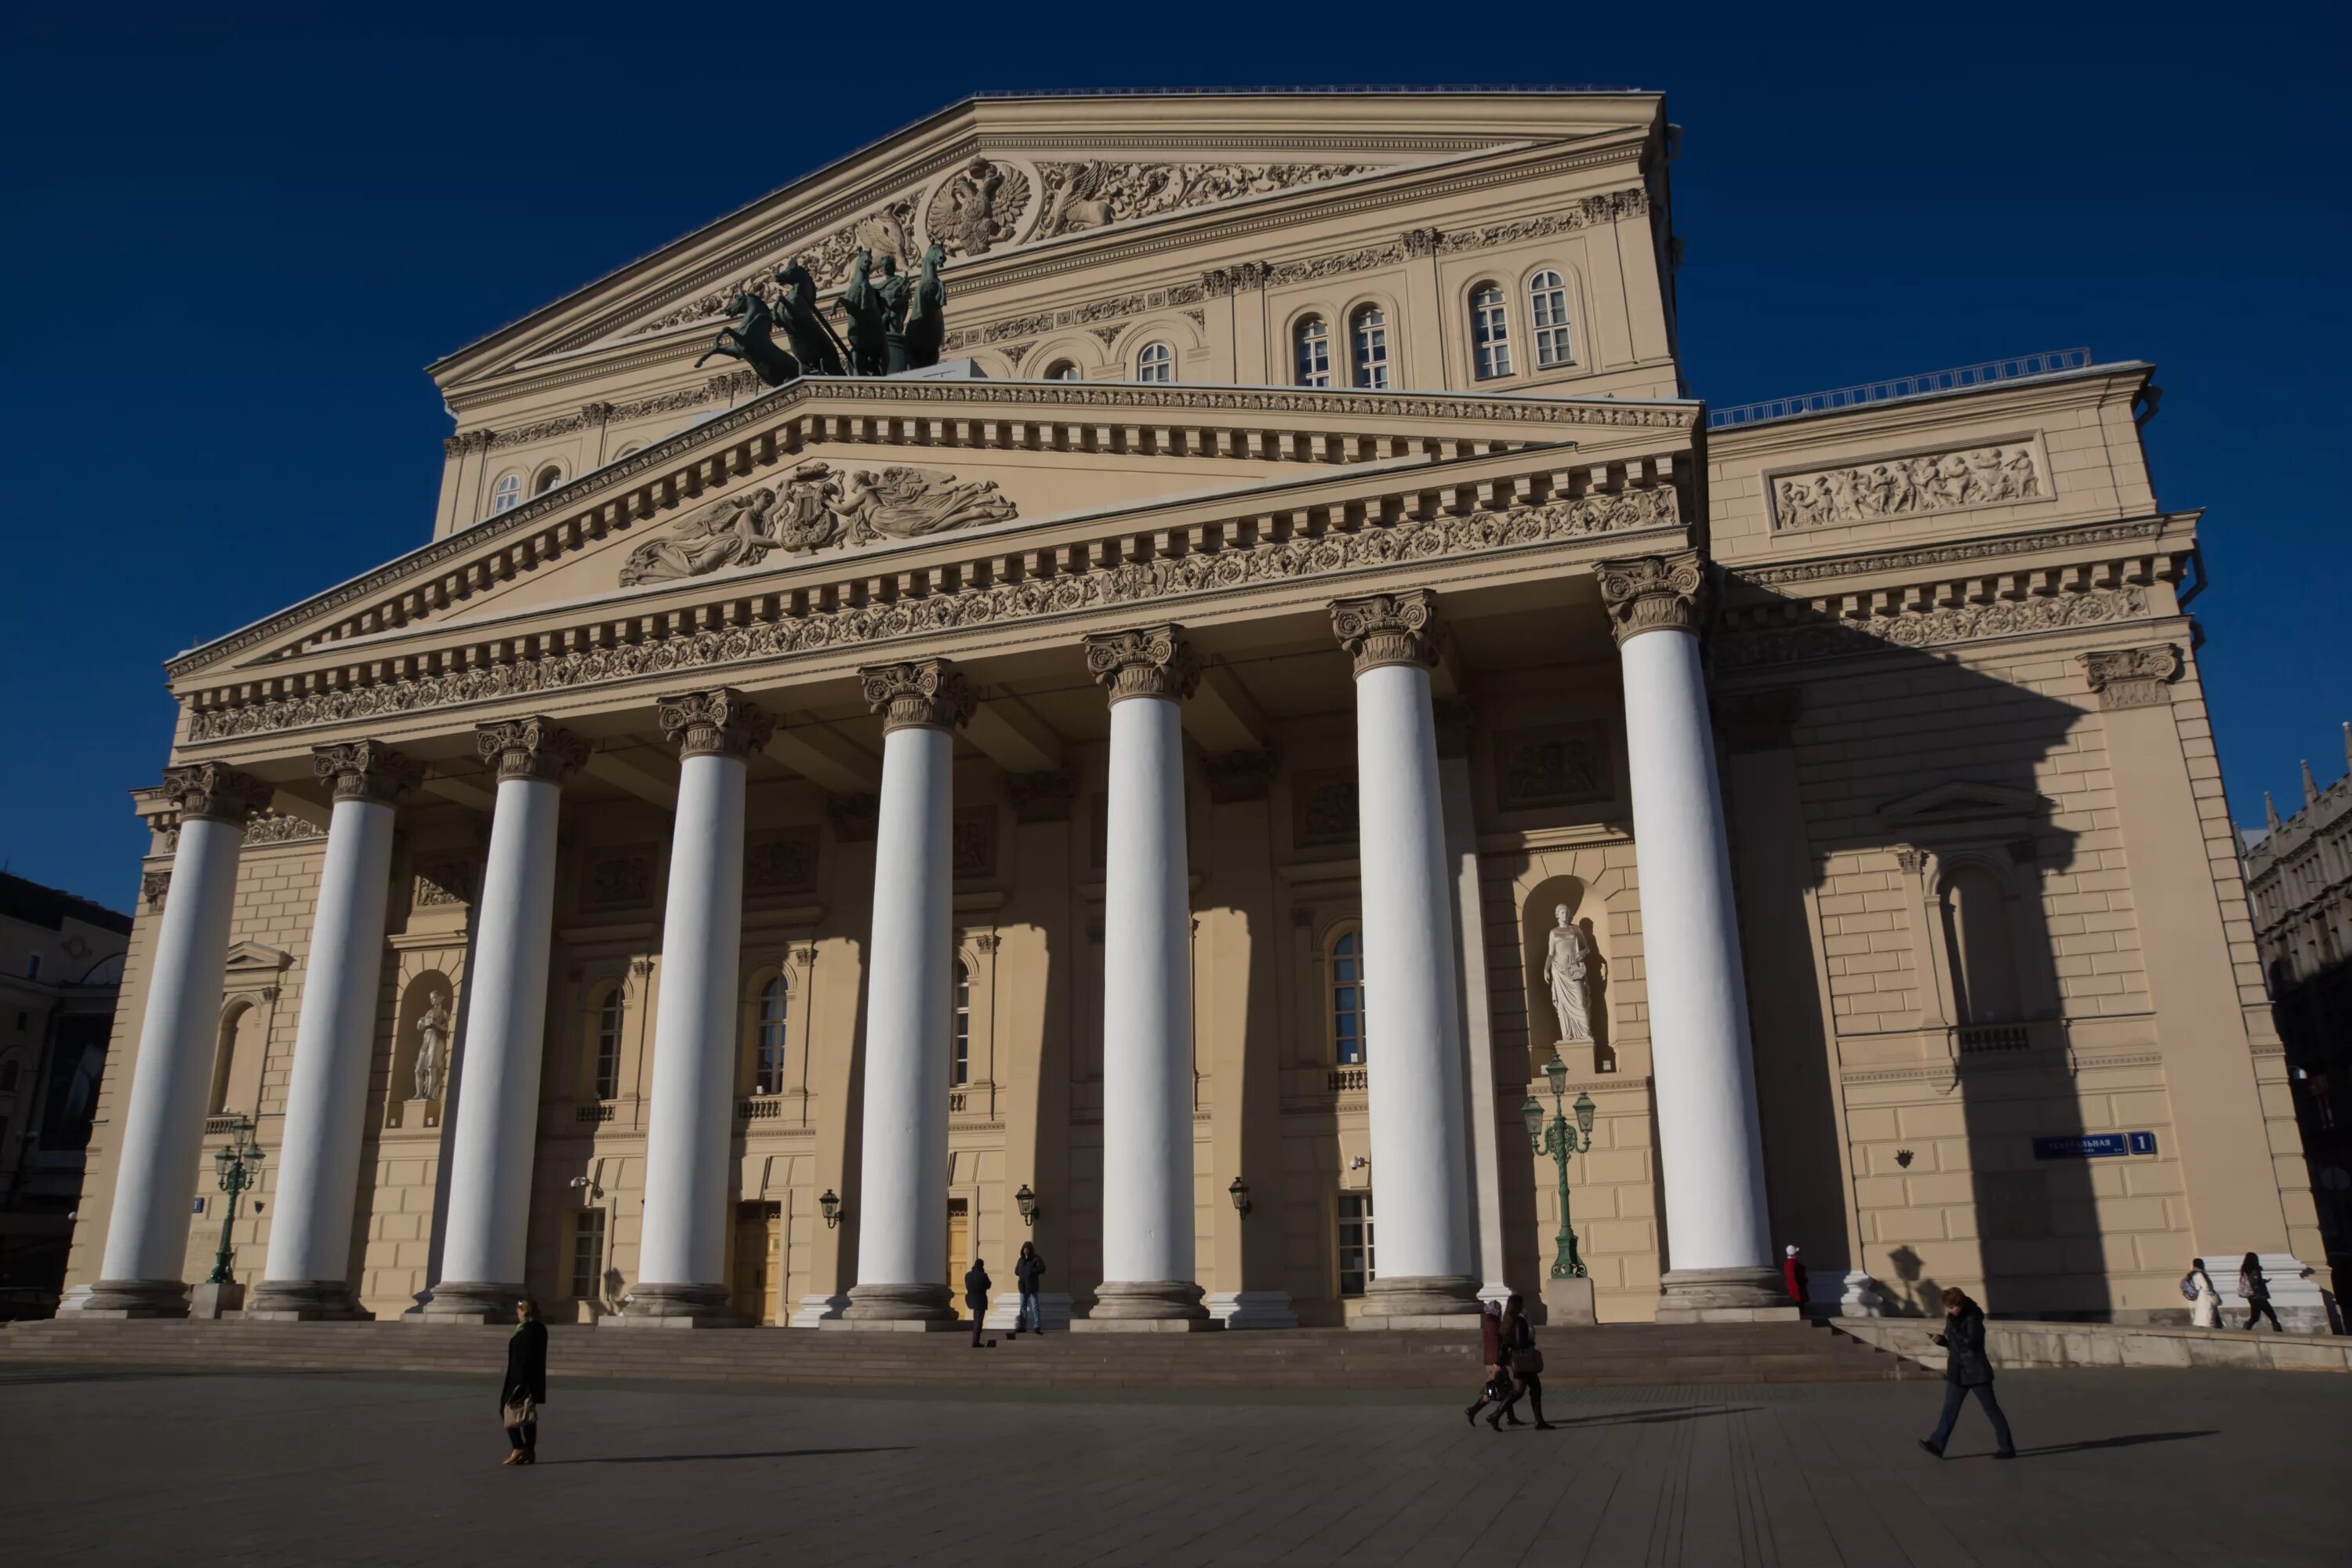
(1565, 935)
(420, 1056)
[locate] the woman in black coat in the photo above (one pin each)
(1967, 1370)
(525, 1387)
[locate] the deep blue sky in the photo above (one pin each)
(228, 259)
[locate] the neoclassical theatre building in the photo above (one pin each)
(1225, 650)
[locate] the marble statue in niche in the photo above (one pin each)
(1568, 961)
(432, 1037)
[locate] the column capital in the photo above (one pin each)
(366, 770)
(2133, 677)
(928, 694)
(214, 792)
(1388, 629)
(533, 748)
(722, 723)
(1150, 661)
(1653, 593)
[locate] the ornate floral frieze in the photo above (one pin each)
(1089, 195)
(365, 769)
(1825, 638)
(1042, 796)
(1336, 266)
(1953, 554)
(977, 207)
(1153, 661)
(817, 507)
(1116, 308)
(721, 722)
(1611, 207)
(216, 792)
(782, 862)
(1653, 593)
(532, 748)
(1388, 629)
(2133, 677)
(444, 883)
(1130, 583)
(923, 694)
(154, 887)
(1237, 777)
(1879, 489)
(278, 827)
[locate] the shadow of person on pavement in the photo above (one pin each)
(2125, 1440)
(762, 1454)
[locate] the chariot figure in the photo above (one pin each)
(869, 324)
(814, 344)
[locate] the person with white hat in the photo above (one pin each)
(1792, 1272)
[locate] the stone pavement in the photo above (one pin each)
(121, 1466)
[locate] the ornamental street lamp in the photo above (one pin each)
(1559, 1140)
(1027, 1203)
(238, 1163)
(830, 1206)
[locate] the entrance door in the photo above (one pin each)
(759, 1237)
(959, 1252)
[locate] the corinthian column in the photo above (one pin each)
(1709, 1148)
(1414, 1075)
(901, 1198)
(506, 1025)
(1147, 1189)
(682, 1269)
(326, 1098)
(147, 1233)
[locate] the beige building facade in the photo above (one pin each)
(1164, 782)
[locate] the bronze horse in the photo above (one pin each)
(862, 302)
(752, 340)
(819, 351)
(927, 322)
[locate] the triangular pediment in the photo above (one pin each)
(1006, 186)
(1962, 801)
(253, 960)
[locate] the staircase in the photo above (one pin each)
(1298, 1359)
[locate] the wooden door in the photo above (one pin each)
(759, 1231)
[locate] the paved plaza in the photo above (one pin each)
(109, 1466)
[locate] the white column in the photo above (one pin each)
(1709, 1145)
(1425, 1250)
(682, 1263)
(164, 1129)
(497, 1081)
(308, 1274)
(1456, 724)
(900, 1204)
(1147, 1187)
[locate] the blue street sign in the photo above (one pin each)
(2093, 1145)
(200, 1207)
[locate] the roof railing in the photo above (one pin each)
(1925, 384)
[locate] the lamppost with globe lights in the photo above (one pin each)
(1557, 1139)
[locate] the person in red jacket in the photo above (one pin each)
(1792, 1273)
(1498, 1389)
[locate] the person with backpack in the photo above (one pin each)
(1027, 1269)
(2197, 1288)
(2255, 1292)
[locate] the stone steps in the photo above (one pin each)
(1306, 1359)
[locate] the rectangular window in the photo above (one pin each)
(587, 1252)
(961, 1072)
(1355, 1243)
(33, 967)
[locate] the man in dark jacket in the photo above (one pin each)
(1027, 1270)
(524, 1388)
(1967, 1370)
(975, 1296)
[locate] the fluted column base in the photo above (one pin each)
(470, 1301)
(1146, 1306)
(134, 1299)
(1724, 1296)
(676, 1307)
(1419, 1302)
(898, 1304)
(304, 1301)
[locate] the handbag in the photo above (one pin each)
(521, 1413)
(1528, 1362)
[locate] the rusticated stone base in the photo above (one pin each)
(1252, 1309)
(1419, 1302)
(134, 1299)
(676, 1307)
(898, 1304)
(303, 1301)
(1725, 1296)
(1146, 1301)
(469, 1301)
(1568, 1301)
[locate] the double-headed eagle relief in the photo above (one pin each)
(817, 508)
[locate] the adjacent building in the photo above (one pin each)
(1166, 781)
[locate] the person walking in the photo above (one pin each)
(975, 1298)
(1967, 1370)
(1027, 1269)
(2255, 1292)
(524, 1389)
(1498, 1389)
(1792, 1275)
(2198, 1286)
(1526, 1364)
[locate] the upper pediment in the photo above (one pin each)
(1002, 183)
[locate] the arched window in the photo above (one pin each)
(1368, 343)
(505, 493)
(1348, 996)
(606, 1041)
(549, 478)
(1490, 331)
(1976, 931)
(627, 451)
(1312, 341)
(1061, 370)
(8, 1075)
(768, 1041)
(1156, 362)
(962, 1071)
(1547, 318)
